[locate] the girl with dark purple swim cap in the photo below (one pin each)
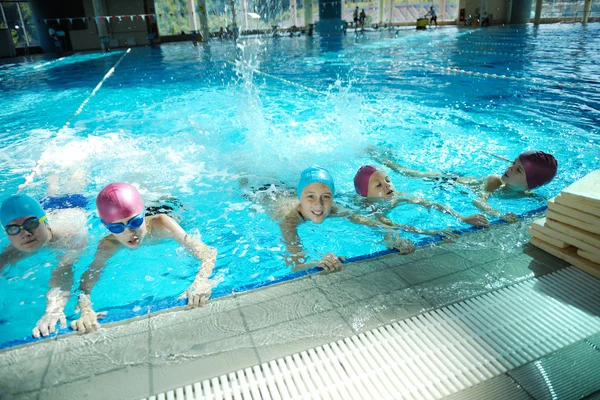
(122, 212)
(527, 172)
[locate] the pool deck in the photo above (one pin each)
(167, 350)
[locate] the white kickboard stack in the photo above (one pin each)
(571, 229)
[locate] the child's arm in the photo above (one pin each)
(445, 233)
(383, 156)
(492, 183)
(201, 288)
(297, 256)
(10, 255)
(393, 240)
(407, 171)
(60, 288)
(482, 203)
(88, 318)
(476, 219)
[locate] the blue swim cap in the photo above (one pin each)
(19, 206)
(315, 174)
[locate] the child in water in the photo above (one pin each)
(374, 184)
(315, 203)
(29, 229)
(122, 212)
(528, 171)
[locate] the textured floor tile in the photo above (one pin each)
(104, 352)
(181, 339)
(22, 368)
(181, 314)
(40, 349)
(546, 259)
(105, 334)
(23, 375)
(273, 292)
(363, 287)
(286, 308)
(512, 270)
(431, 268)
(481, 256)
(124, 383)
(421, 253)
(455, 287)
(500, 387)
(210, 360)
(20, 396)
(384, 309)
(570, 373)
(349, 271)
(302, 334)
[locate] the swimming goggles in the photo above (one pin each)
(29, 225)
(119, 227)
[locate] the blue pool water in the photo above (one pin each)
(188, 123)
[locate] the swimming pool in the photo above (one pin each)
(188, 123)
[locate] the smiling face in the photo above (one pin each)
(29, 240)
(380, 186)
(514, 176)
(315, 202)
(131, 238)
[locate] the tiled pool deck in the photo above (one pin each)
(167, 350)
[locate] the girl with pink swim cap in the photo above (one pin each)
(374, 184)
(122, 212)
(528, 171)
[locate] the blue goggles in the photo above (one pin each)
(119, 227)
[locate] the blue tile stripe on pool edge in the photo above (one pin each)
(117, 314)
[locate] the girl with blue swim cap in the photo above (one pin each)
(27, 227)
(316, 190)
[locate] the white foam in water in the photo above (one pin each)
(288, 148)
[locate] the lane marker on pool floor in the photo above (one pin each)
(495, 76)
(36, 170)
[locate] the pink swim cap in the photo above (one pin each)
(540, 168)
(117, 201)
(361, 179)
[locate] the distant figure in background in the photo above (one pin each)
(54, 36)
(485, 19)
(221, 33)
(355, 16)
(363, 18)
(433, 16)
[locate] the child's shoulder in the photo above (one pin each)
(492, 182)
(286, 209)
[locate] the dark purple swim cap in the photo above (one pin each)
(361, 179)
(540, 168)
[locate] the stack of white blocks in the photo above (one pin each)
(571, 229)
